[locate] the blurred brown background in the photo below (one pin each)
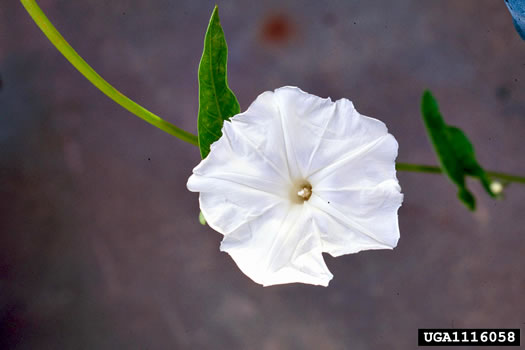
(100, 245)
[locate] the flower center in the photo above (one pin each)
(301, 192)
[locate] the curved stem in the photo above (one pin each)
(89, 73)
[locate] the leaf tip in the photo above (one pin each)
(202, 220)
(428, 100)
(215, 12)
(427, 92)
(467, 198)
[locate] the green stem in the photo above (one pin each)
(419, 168)
(507, 177)
(72, 56)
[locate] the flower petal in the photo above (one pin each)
(280, 247)
(256, 137)
(360, 192)
(364, 167)
(320, 131)
(246, 170)
(227, 205)
(355, 219)
(248, 182)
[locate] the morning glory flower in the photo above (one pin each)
(297, 175)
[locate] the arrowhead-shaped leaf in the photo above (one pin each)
(217, 102)
(454, 150)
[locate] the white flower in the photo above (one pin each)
(295, 176)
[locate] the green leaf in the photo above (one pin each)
(454, 150)
(217, 102)
(202, 220)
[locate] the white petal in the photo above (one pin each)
(227, 205)
(360, 192)
(320, 131)
(252, 144)
(282, 246)
(257, 137)
(355, 219)
(246, 170)
(362, 167)
(285, 136)
(340, 237)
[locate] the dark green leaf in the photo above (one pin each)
(454, 150)
(217, 102)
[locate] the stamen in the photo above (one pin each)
(300, 191)
(305, 193)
